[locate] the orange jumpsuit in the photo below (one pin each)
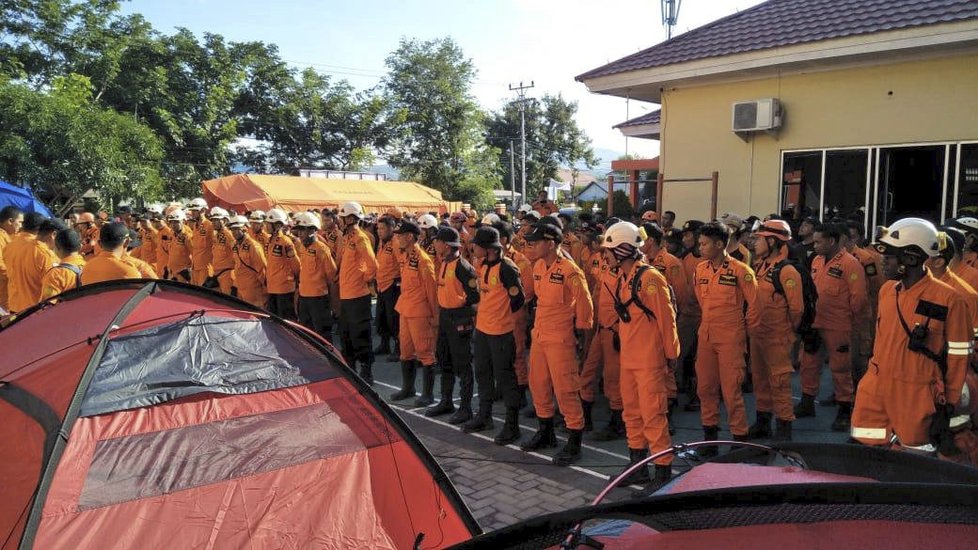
(249, 271)
(899, 391)
(332, 238)
(27, 261)
(418, 307)
(89, 238)
(60, 279)
(561, 295)
(201, 246)
(772, 333)
(862, 338)
(672, 268)
(648, 343)
(841, 285)
(5, 239)
(545, 208)
(150, 238)
(602, 350)
(144, 268)
(966, 272)
(357, 264)
(106, 267)
(520, 317)
(317, 271)
(283, 265)
(223, 259)
(720, 367)
(179, 254)
(261, 237)
(163, 237)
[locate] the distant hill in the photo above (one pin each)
(389, 171)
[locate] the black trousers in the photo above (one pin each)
(494, 357)
(282, 305)
(315, 314)
(388, 320)
(355, 337)
(454, 348)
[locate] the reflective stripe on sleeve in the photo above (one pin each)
(869, 433)
(958, 345)
(956, 351)
(959, 420)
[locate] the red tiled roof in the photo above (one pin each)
(779, 23)
(647, 118)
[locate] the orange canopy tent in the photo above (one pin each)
(246, 192)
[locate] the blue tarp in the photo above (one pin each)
(22, 198)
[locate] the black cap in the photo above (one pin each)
(692, 225)
(112, 235)
(545, 232)
(449, 236)
(487, 237)
(408, 227)
(134, 241)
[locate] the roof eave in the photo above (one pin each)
(645, 131)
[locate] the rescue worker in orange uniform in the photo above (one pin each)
(28, 258)
(920, 357)
(163, 233)
(779, 309)
(11, 218)
(249, 264)
(458, 222)
(735, 248)
(862, 338)
(388, 288)
(330, 232)
(202, 241)
(604, 353)
(66, 275)
(108, 264)
(318, 277)
(562, 295)
(520, 316)
(841, 284)
(723, 285)
(149, 236)
(417, 305)
(146, 271)
(256, 229)
(429, 227)
(86, 228)
(222, 252)
(543, 205)
(177, 248)
(458, 293)
(649, 341)
(690, 313)
(283, 266)
(968, 227)
(358, 270)
(501, 295)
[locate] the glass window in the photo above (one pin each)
(968, 180)
(845, 182)
(801, 184)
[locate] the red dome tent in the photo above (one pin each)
(150, 414)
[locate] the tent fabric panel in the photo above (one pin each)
(167, 305)
(20, 469)
(201, 354)
(54, 379)
(715, 475)
(236, 193)
(146, 465)
(22, 198)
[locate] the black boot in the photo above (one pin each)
(586, 407)
(613, 431)
(445, 405)
(395, 353)
(511, 429)
(544, 437)
(571, 452)
(462, 415)
(744, 437)
(828, 401)
(842, 418)
(639, 476)
(673, 403)
(806, 408)
(367, 373)
(480, 422)
(710, 433)
(662, 476)
(762, 426)
(693, 402)
(408, 372)
(529, 411)
(428, 387)
(782, 430)
(383, 347)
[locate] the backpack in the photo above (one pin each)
(808, 291)
(74, 269)
(636, 298)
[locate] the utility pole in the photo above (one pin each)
(670, 15)
(521, 103)
(512, 179)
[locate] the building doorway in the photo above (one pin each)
(911, 183)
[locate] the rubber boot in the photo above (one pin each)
(842, 418)
(782, 430)
(462, 415)
(639, 476)
(383, 347)
(571, 452)
(445, 404)
(613, 431)
(693, 403)
(662, 475)
(408, 372)
(428, 387)
(586, 407)
(762, 426)
(745, 437)
(710, 433)
(511, 429)
(480, 422)
(671, 407)
(806, 407)
(395, 353)
(544, 438)
(367, 373)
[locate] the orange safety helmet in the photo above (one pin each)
(779, 229)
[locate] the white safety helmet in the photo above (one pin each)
(197, 204)
(427, 222)
(237, 222)
(257, 215)
(307, 219)
(967, 224)
(218, 213)
(277, 215)
(622, 233)
(490, 218)
(176, 215)
(154, 209)
(351, 209)
(526, 208)
(913, 235)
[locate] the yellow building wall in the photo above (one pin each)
(924, 101)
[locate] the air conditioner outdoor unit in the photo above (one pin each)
(757, 115)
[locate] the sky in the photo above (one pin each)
(548, 42)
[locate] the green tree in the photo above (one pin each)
(553, 139)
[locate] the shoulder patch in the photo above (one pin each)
(790, 283)
(748, 277)
(854, 277)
